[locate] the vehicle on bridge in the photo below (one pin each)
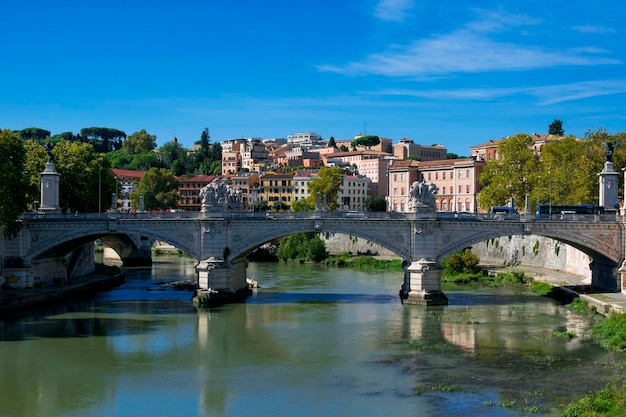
(545, 211)
(503, 213)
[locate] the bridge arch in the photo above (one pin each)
(375, 233)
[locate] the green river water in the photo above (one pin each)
(313, 341)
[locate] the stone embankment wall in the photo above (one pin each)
(536, 251)
(337, 243)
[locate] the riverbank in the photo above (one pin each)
(13, 299)
(604, 303)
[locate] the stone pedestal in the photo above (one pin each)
(609, 180)
(49, 190)
(422, 284)
(221, 282)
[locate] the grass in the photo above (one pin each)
(362, 262)
(608, 402)
(512, 277)
(611, 333)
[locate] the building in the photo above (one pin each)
(249, 184)
(305, 139)
(371, 164)
(128, 180)
(189, 191)
(457, 180)
(354, 190)
(401, 174)
(277, 188)
(405, 148)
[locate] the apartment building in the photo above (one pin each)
(277, 187)
(127, 180)
(189, 191)
(401, 174)
(249, 184)
(371, 164)
(354, 190)
(457, 180)
(406, 148)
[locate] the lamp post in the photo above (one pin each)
(116, 185)
(538, 189)
(99, 190)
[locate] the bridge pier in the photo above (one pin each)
(422, 284)
(221, 281)
(606, 276)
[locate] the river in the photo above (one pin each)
(313, 341)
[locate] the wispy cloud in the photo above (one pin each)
(545, 95)
(393, 10)
(602, 30)
(469, 50)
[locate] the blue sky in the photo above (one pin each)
(452, 72)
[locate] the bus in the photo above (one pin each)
(544, 210)
(501, 209)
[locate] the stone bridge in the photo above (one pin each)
(48, 246)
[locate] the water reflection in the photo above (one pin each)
(311, 342)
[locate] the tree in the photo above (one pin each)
(103, 139)
(331, 142)
(13, 188)
(366, 141)
(462, 262)
(159, 189)
(34, 133)
(556, 128)
(139, 142)
(34, 164)
(375, 203)
(302, 246)
(205, 142)
(302, 204)
(569, 169)
(83, 175)
(327, 183)
(515, 174)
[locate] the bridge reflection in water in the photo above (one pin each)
(52, 247)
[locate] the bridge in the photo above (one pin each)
(54, 246)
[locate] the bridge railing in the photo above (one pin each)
(352, 215)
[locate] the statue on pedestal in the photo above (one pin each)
(422, 195)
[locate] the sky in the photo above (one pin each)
(456, 73)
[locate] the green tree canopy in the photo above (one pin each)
(375, 203)
(35, 163)
(84, 174)
(556, 128)
(332, 143)
(139, 142)
(103, 139)
(515, 174)
(327, 183)
(159, 189)
(366, 141)
(14, 186)
(34, 133)
(569, 169)
(302, 246)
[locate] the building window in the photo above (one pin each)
(443, 190)
(467, 188)
(467, 173)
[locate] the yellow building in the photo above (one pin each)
(277, 188)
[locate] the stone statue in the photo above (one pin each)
(422, 195)
(219, 195)
(608, 154)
